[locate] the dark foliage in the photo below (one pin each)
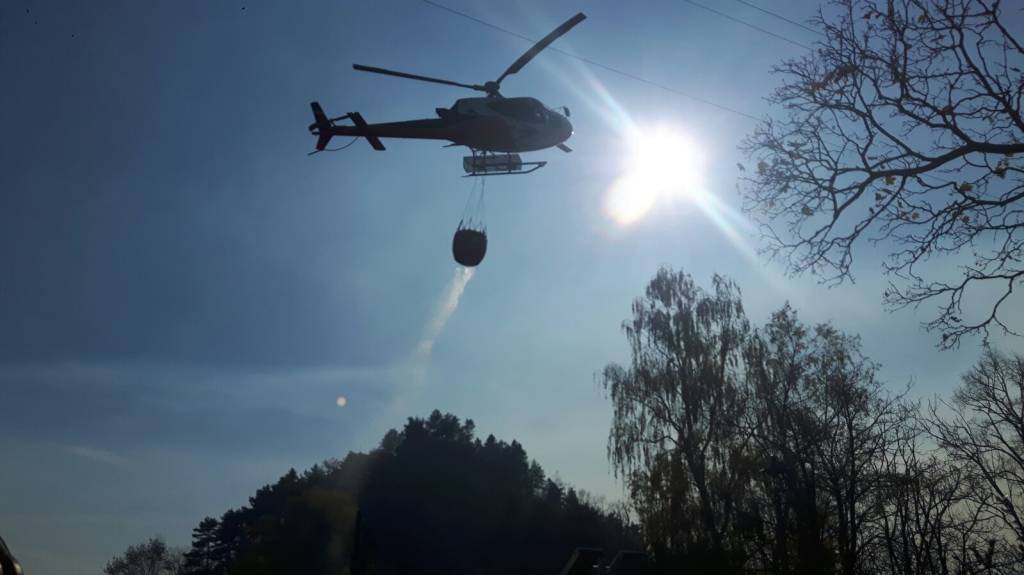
(431, 499)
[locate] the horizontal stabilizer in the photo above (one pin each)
(364, 131)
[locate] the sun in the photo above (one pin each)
(662, 165)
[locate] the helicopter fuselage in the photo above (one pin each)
(490, 124)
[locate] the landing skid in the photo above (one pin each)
(483, 163)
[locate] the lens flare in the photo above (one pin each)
(663, 165)
(629, 199)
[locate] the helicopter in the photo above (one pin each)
(495, 128)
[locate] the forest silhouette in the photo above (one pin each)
(432, 498)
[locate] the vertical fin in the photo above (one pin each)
(322, 126)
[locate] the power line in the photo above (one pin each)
(593, 63)
(780, 17)
(747, 24)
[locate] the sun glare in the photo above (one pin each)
(662, 166)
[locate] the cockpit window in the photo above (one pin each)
(464, 107)
(526, 109)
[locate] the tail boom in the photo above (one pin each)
(324, 129)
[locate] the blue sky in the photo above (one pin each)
(184, 293)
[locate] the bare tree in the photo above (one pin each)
(153, 557)
(922, 525)
(676, 409)
(901, 128)
(823, 428)
(750, 450)
(858, 425)
(790, 531)
(984, 435)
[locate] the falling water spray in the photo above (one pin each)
(445, 308)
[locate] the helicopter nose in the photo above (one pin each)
(566, 128)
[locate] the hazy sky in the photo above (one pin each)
(184, 293)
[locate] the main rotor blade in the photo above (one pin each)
(544, 42)
(386, 72)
